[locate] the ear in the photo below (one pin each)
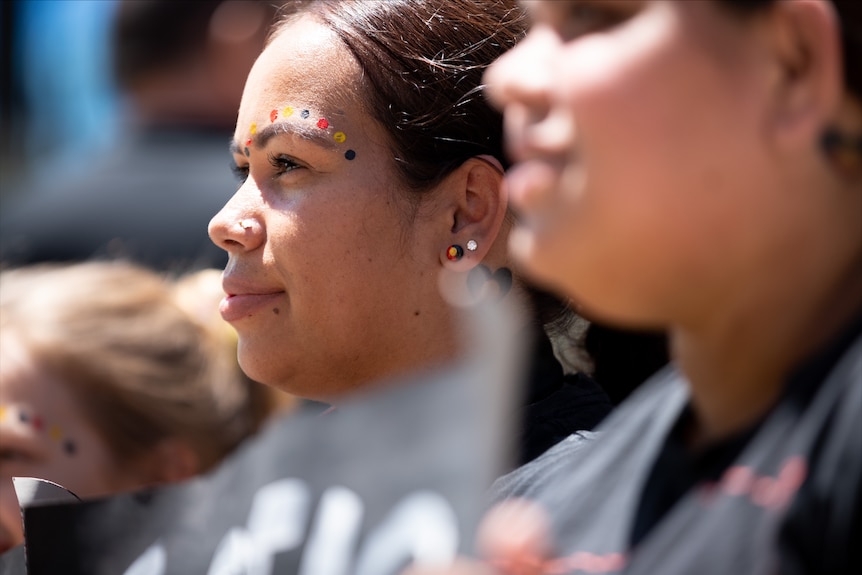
(804, 39)
(476, 207)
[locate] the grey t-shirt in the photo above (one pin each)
(790, 502)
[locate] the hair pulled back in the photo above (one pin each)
(422, 64)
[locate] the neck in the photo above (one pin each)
(738, 360)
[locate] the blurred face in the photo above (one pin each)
(326, 285)
(640, 175)
(43, 434)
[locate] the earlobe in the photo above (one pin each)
(804, 38)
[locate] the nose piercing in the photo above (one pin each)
(244, 224)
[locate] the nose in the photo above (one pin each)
(238, 227)
(523, 76)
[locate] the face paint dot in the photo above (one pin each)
(323, 123)
(304, 114)
(23, 417)
(247, 152)
(69, 447)
(55, 433)
(273, 115)
(2, 412)
(339, 137)
(287, 112)
(37, 423)
(253, 128)
(349, 154)
(248, 142)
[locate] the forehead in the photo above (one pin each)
(305, 65)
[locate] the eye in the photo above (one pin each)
(13, 455)
(282, 164)
(239, 172)
(579, 18)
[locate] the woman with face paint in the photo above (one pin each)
(113, 378)
(697, 166)
(370, 166)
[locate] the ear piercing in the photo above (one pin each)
(456, 252)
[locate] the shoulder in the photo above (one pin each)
(822, 530)
(531, 478)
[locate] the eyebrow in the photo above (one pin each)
(314, 135)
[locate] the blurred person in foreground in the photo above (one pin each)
(114, 378)
(696, 166)
(179, 66)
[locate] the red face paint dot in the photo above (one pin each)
(37, 423)
(323, 123)
(349, 154)
(248, 142)
(273, 115)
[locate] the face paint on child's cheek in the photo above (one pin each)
(10, 414)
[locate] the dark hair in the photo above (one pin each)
(850, 16)
(422, 75)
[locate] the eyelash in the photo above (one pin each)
(239, 172)
(9, 455)
(281, 163)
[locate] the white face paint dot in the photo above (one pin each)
(472, 245)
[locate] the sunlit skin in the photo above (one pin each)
(668, 174)
(331, 284)
(44, 433)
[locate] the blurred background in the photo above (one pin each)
(116, 116)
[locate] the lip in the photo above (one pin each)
(243, 300)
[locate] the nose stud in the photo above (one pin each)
(244, 224)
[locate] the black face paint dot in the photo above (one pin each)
(276, 311)
(247, 153)
(69, 447)
(304, 114)
(349, 154)
(23, 417)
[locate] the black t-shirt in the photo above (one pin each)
(782, 497)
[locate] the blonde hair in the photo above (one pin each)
(144, 365)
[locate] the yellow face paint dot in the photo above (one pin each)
(55, 433)
(288, 111)
(253, 129)
(2, 412)
(339, 137)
